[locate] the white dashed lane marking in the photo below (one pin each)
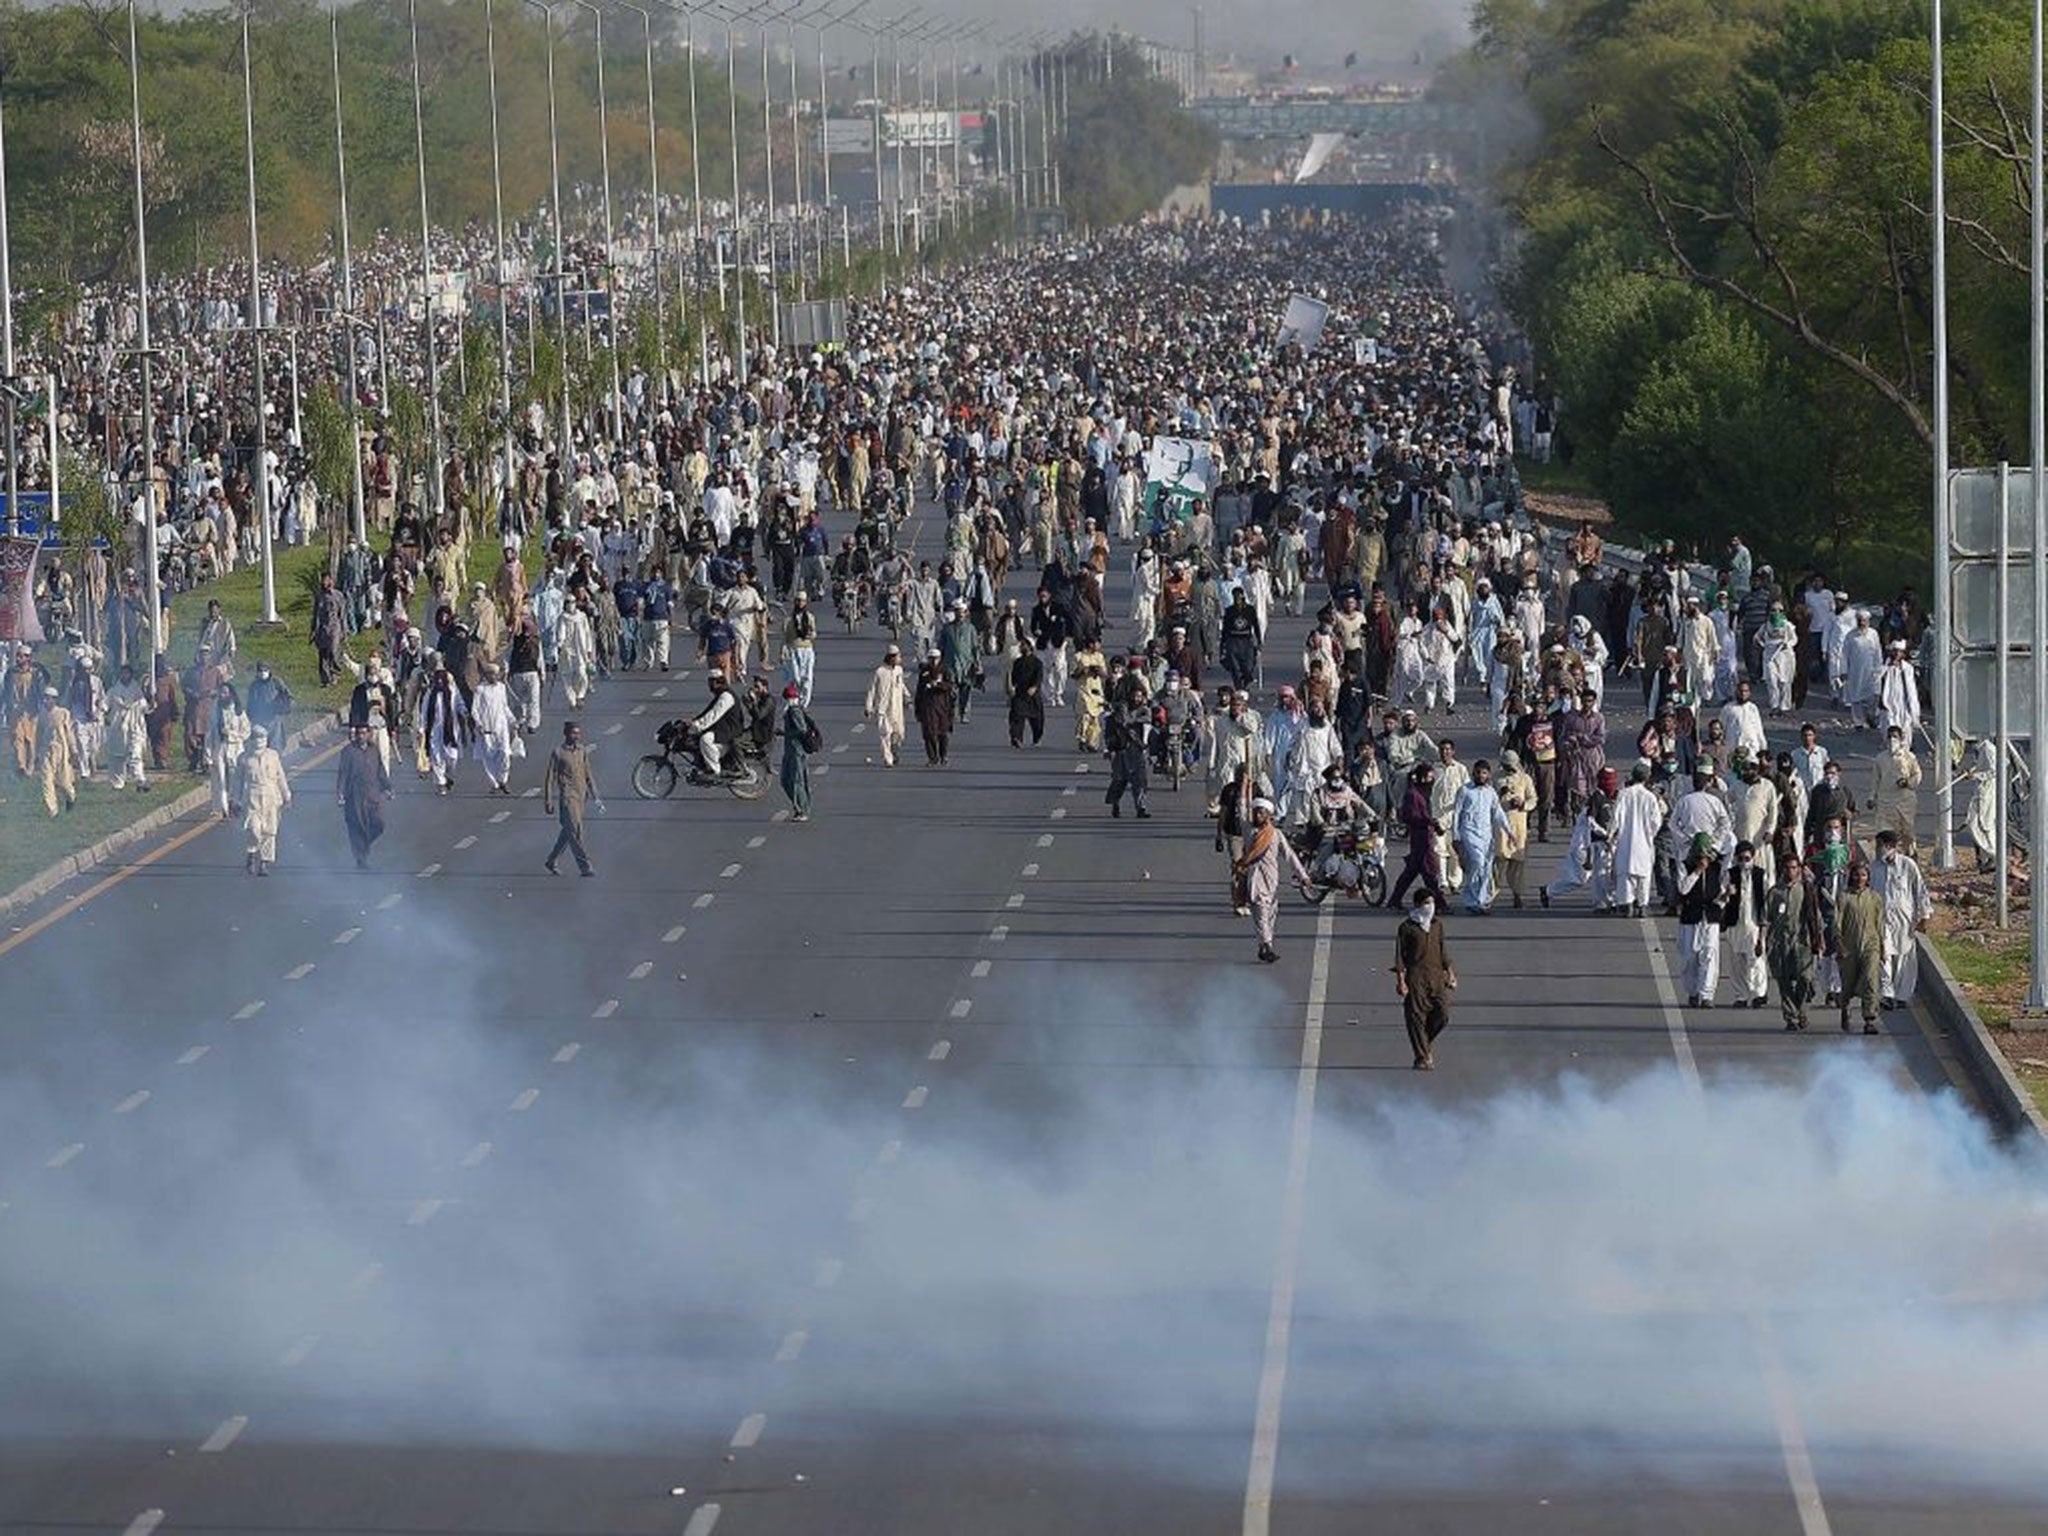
(248, 1011)
(193, 1055)
(465, 843)
(661, 693)
(1000, 932)
(674, 933)
(639, 972)
(1059, 813)
(498, 816)
(348, 935)
(566, 1054)
(939, 1051)
(781, 815)
(1014, 900)
(829, 1271)
(227, 1434)
(839, 746)
(756, 842)
(981, 969)
(962, 1007)
(475, 1155)
(1030, 871)
(703, 1520)
(525, 1100)
(1070, 791)
(302, 1348)
(703, 901)
(613, 729)
(299, 972)
(430, 871)
(390, 901)
(1045, 839)
(605, 1009)
(366, 1277)
(423, 1212)
(64, 1155)
(916, 1097)
(749, 1432)
(531, 793)
(637, 710)
(862, 1211)
(728, 872)
(133, 1102)
(891, 1150)
(792, 1345)
(144, 1523)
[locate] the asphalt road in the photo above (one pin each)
(946, 1164)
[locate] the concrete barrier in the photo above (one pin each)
(2004, 1095)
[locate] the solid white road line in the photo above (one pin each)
(1813, 1515)
(144, 1523)
(248, 1011)
(703, 1520)
(525, 1100)
(299, 972)
(424, 1211)
(348, 936)
(133, 1102)
(64, 1155)
(916, 1097)
(566, 1054)
(940, 1050)
(193, 1055)
(605, 1009)
(674, 933)
(792, 1345)
(829, 1271)
(1258, 1488)
(475, 1155)
(749, 1432)
(227, 1434)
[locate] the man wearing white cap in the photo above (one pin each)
(1257, 874)
(888, 693)
(56, 754)
(1898, 694)
(1862, 661)
(263, 792)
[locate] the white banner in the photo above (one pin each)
(1181, 464)
(1320, 147)
(1304, 321)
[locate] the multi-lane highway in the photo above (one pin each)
(946, 1165)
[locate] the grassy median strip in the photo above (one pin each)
(31, 840)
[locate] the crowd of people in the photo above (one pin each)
(1354, 604)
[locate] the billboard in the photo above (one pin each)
(847, 136)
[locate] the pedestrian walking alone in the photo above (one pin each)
(1858, 944)
(360, 785)
(566, 790)
(1424, 978)
(263, 792)
(799, 741)
(1256, 875)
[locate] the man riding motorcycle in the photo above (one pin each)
(715, 730)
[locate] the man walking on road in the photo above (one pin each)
(263, 792)
(796, 752)
(1257, 875)
(1858, 940)
(1793, 940)
(1424, 979)
(888, 692)
(360, 784)
(566, 789)
(1899, 885)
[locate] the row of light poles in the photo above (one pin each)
(925, 34)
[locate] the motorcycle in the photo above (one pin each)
(1354, 862)
(1176, 755)
(656, 775)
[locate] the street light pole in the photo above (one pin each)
(2037, 424)
(739, 270)
(1944, 726)
(7, 353)
(547, 12)
(348, 297)
(504, 296)
(154, 578)
(654, 203)
(262, 476)
(697, 202)
(419, 133)
(611, 270)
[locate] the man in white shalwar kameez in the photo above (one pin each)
(578, 655)
(1638, 814)
(1903, 889)
(497, 740)
(128, 712)
(1898, 693)
(264, 792)
(1700, 647)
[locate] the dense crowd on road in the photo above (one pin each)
(1354, 636)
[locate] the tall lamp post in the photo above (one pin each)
(498, 231)
(153, 580)
(262, 476)
(419, 132)
(821, 26)
(560, 273)
(7, 353)
(348, 295)
(654, 202)
(604, 152)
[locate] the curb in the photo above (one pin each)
(35, 888)
(2004, 1095)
